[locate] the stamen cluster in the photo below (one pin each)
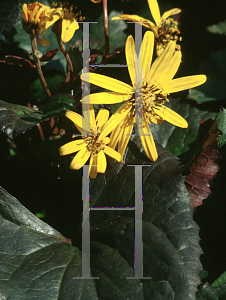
(151, 96)
(167, 31)
(93, 145)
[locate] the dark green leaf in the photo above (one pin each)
(10, 12)
(12, 211)
(220, 281)
(214, 67)
(219, 28)
(10, 116)
(52, 83)
(208, 292)
(112, 270)
(203, 274)
(221, 122)
(36, 262)
(180, 140)
(16, 119)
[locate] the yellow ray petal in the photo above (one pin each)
(68, 30)
(111, 152)
(126, 134)
(72, 147)
(106, 98)
(65, 25)
(38, 15)
(147, 141)
(78, 120)
(130, 57)
(154, 119)
(80, 159)
(106, 140)
(184, 83)
(147, 52)
(171, 69)
(53, 11)
(170, 12)
(24, 12)
(161, 63)
(52, 20)
(154, 8)
(79, 128)
(93, 166)
(115, 119)
(135, 18)
(44, 41)
(107, 82)
(116, 135)
(101, 162)
(102, 117)
(33, 13)
(170, 116)
(74, 117)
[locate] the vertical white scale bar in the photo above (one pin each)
(138, 233)
(85, 178)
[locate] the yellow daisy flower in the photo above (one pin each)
(38, 17)
(94, 144)
(69, 24)
(165, 29)
(157, 83)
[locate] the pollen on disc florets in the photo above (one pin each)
(91, 140)
(150, 96)
(70, 12)
(167, 31)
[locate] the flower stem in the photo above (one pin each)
(38, 65)
(105, 14)
(70, 67)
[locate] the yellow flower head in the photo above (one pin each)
(165, 29)
(156, 84)
(38, 17)
(94, 144)
(96, 1)
(69, 22)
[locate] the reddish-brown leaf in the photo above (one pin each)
(204, 169)
(49, 55)
(16, 61)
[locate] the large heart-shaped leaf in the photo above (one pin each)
(170, 236)
(36, 262)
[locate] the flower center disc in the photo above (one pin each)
(93, 145)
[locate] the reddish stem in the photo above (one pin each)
(70, 67)
(38, 65)
(106, 34)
